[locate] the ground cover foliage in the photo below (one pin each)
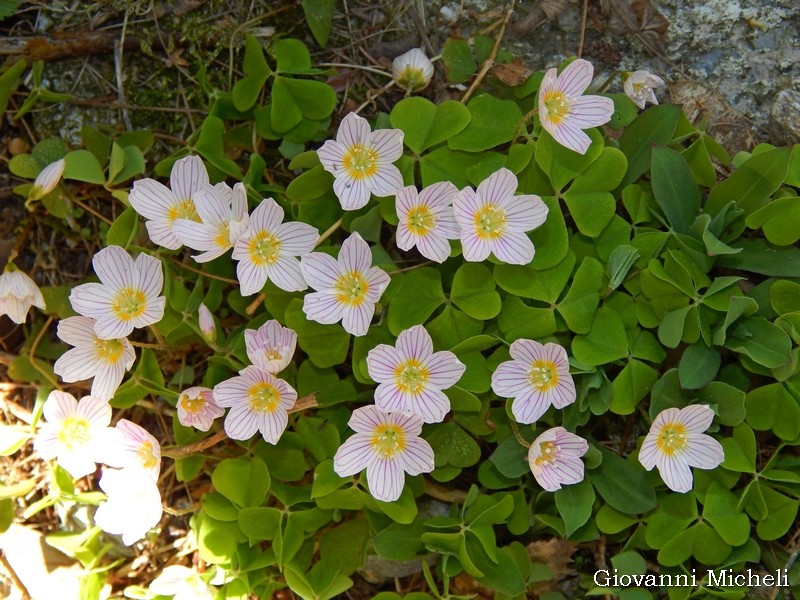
(667, 269)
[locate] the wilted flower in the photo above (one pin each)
(387, 446)
(135, 449)
(676, 442)
(18, 293)
(183, 583)
(206, 322)
(412, 70)
(564, 112)
(412, 376)
(268, 250)
(554, 458)
(76, 432)
(427, 220)
(639, 87)
(258, 401)
(105, 360)
(47, 180)
(347, 288)
(127, 297)
(197, 408)
(163, 205)
(494, 220)
(133, 506)
(271, 346)
(361, 161)
(537, 377)
(223, 219)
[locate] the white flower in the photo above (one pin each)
(183, 583)
(537, 377)
(258, 401)
(206, 322)
(387, 446)
(105, 360)
(127, 297)
(18, 293)
(223, 219)
(361, 161)
(271, 346)
(163, 205)
(427, 220)
(494, 220)
(268, 250)
(554, 458)
(676, 442)
(639, 87)
(76, 432)
(412, 70)
(347, 288)
(197, 408)
(133, 506)
(565, 112)
(135, 449)
(47, 180)
(412, 376)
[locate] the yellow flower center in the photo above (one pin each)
(411, 78)
(192, 405)
(184, 209)
(421, 220)
(557, 106)
(547, 453)
(129, 303)
(74, 432)
(411, 376)
(543, 375)
(490, 222)
(264, 397)
(146, 455)
(360, 162)
(223, 237)
(109, 351)
(265, 249)
(388, 440)
(672, 438)
(351, 288)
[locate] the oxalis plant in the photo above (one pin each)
(440, 340)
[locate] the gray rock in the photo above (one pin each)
(784, 118)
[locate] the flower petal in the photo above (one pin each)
(354, 455)
(575, 78)
(386, 479)
(513, 248)
(415, 342)
(498, 187)
(417, 457)
(590, 111)
(703, 451)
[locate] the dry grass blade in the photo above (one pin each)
(546, 10)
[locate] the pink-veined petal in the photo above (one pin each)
(417, 456)
(675, 473)
(513, 248)
(433, 247)
(112, 328)
(151, 199)
(76, 364)
(194, 235)
(415, 342)
(377, 282)
(106, 381)
(354, 455)
(272, 425)
(590, 111)
(525, 212)
(438, 195)
(366, 419)
(386, 479)
(352, 193)
(161, 233)
(241, 423)
(323, 307)
(91, 299)
(696, 417)
(474, 248)
(251, 277)
(114, 267)
(388, 144)
(331, 155)
(649, 452)
(356, 319)
(355, 255)
(570, 136)
(188, 175)
(285, 273)
(386, 181)
(382, 362)
(529, 406)
(297, 238)
(320, 270)
(410, 423)
(267, 216)
(498, 187)
(353, 130)
(211, 204)
(510, 379)
(59, 406)
(150, 275)
(575, 78)
(444, 369)
(431, 404)
(703, 451)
